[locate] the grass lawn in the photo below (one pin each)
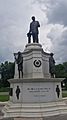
(64, 93)
(4, 98)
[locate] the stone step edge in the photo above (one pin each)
(34, 107)
(34, 111)
(34, 115)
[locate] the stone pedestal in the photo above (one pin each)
(37, 90)
(35, 62)
(36, 87)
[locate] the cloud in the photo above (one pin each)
(57, 13)
(15, 17)
(55, 10)
(58, 36)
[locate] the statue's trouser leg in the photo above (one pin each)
(18, 96)
(29, 39)
(58, 94)
(52, 75)
(19, 73)
(22, 73)
(35, 37)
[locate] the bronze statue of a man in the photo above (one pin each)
(17, 92)
(19, 61)
(58, 91)
(52, 65)
(34, 30)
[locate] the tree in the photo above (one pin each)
(7, 72)
(61, 72)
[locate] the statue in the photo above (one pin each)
(17, 92)
(11, 91)
(33, 31)
(29, 37)
(52, 65)
(19, 61)
(58, 91)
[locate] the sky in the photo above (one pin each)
(15, 18)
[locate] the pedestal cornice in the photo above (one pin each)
(28, 80)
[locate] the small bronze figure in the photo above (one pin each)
(11, 91)
(58, 91)
(52, 65)
(29, 37)
(17, 92)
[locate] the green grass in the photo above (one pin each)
(4, 98)
(64, 94)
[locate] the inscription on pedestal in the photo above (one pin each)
(39, 92)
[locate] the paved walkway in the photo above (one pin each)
(4, 93)
(58, 117)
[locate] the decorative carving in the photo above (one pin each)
(37, 63)
(17, 92)
(58, 91)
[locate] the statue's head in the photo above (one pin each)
(33, 18)
(51, 54)
(17, 86)
(19, 53)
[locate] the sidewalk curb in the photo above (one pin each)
(3, 103)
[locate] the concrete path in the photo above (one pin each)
(4, 93)
(58, 117)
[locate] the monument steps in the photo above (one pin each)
(35, 110)
(35, 105)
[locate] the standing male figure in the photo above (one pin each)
(19, 61)
(52, 65)
(17, 92)
(34, 29)
(58, 91)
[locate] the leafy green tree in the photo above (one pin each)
(61, 70)
(7, 72)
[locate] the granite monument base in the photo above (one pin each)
(32, 110)
(37, 97)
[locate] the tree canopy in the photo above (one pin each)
(61, 70)
(7, 72)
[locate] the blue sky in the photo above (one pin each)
(15, 17)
